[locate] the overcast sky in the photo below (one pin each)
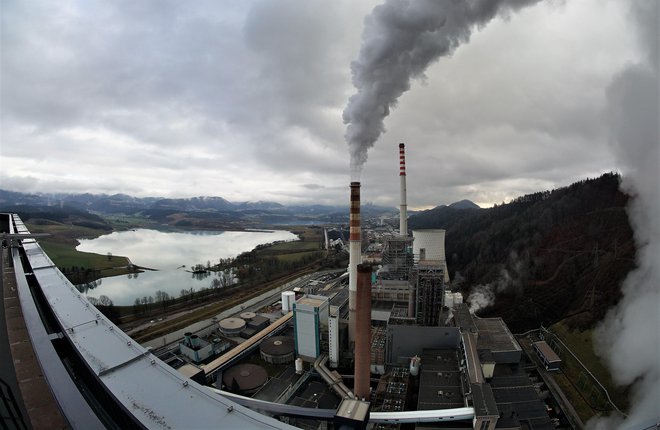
(244, 100)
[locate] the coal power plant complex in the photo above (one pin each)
(384, 344)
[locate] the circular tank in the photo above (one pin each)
(414, 365)
(232, 326)
(277, 350)
(288, 297)
(245, 378)
(299, 365)
(248, 316)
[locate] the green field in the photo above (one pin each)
(61, 248)
(290, 247)
(581, 343)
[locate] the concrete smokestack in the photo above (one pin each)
(363, 333)
(403, 208)
(355, 257)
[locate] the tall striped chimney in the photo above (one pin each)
(363, 333)
(355, 257)
(403, 208)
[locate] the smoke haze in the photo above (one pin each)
(400, 40)
(628, 338)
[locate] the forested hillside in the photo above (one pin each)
(544, 256)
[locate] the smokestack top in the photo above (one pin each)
(402, 145)
(355, 184)
(364, 268)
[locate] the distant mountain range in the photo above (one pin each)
(195, 211)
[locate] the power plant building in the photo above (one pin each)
(310, 319)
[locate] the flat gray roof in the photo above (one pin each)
(440, 384)
(495, 335)
(548, 353)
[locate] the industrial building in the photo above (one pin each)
(548, 357)
(403, 349)
(310, 316)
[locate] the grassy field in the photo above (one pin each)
(61, 248)
(584, 391)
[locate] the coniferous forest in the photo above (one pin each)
(543, 257)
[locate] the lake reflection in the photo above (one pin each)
(167, 252)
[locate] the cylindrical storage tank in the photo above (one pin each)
(186, 339)
(248, 316)
(299, 365)
(194, 341)
(232, 326)
(458, 298)
(245, 378)
(288, 298)
(277, 350)
(429, 245)
(414, 365)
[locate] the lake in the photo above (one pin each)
(168, 253)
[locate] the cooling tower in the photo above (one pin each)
(355, 257)
(363, 333)
(403, 208)
(429, 245)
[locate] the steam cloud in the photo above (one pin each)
(400, 40)
(510, 280)
(629, 336)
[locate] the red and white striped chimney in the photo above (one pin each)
(355, 257)
(403, 207)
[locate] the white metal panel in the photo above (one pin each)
(157, 395)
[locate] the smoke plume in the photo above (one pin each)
(629, 336)
(400, 40)
(510, 280)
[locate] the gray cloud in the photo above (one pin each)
(244, 100)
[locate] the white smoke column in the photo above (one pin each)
(400, 39)
(629, 337)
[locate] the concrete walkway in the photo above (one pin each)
(38, 408)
